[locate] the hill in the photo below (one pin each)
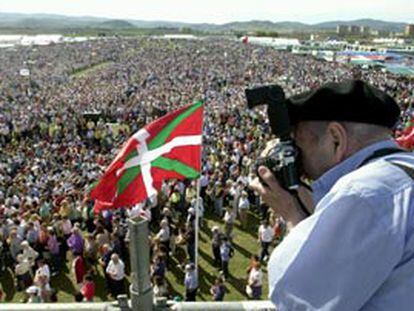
(116, 24)
(58, 22)
(372, 23)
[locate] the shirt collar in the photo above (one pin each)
(323, 184)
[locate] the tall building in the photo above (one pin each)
(364, 30)
(409, 30)
(342, 30)
(353, 30)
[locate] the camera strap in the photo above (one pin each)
(302, 206)
(387, 151)
(382, 153)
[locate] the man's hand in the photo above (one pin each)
(278, 199)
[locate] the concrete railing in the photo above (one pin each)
(249, 305)
(170, 305)
(92, 306)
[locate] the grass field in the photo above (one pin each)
(91, 70)
(245, 244)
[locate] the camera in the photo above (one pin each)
(282, 158)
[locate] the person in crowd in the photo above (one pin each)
(160, 287)
(190, 194)
(116, 273)
(254, 281)
(226, 252)
(218, 198)
(76, 242)
(88, 288)
(32, 234)
(190, 222)
(91, 250)
(54, 250)
(244, 206)
(215, 245)
(266, 235)
(279, 228)
(229, 218)
(164, 234)
(79, 269)
(159, 267)
(42, 279)
(28, 253)
(14, 244)
(190, 282)
(105, 258)
(190, 242)
(180, 253)
(218, 289)
(23, 272)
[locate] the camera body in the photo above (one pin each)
(282, 158)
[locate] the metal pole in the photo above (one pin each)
(141, 288)
(197, 225)
(197, 207)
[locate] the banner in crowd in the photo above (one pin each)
(169, 147)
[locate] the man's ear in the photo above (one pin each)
(339, 141)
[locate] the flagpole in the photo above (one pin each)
(197, 224)
(197, 211)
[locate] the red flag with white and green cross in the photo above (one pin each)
(169, 147)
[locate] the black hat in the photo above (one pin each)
(349, 100)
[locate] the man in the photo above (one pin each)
(76, 242)
(244, 205)
(190, 282)
(164, 234)
(265, 234)
(229, 218)
(215, 245)
(355, 252)
(116, 273)
(54, 250)
(22, 272)
(218, 290)
(42, 278)
(28, 252)
(226, 252)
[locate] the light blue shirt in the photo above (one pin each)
(356, 252)
(191, 280)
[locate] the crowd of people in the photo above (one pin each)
(61, 126)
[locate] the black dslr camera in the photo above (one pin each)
(282, 158)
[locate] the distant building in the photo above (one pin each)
(380, 33)
(364, 30)
(342, 30)
(409, 30)
(353, 30)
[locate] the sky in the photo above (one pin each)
(221, 11)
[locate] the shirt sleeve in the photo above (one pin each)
(337, 258)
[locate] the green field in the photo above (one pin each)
(82, 73)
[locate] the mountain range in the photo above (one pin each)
(60, 22)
